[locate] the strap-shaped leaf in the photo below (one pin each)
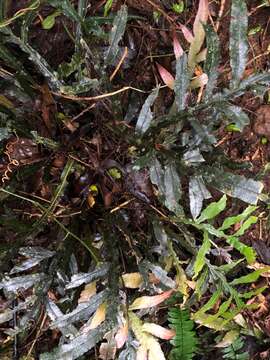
(172, 187)
(117, 31)
(250, 278)
(213, 210)
(199, 34)
(210, 303)
(168, 182)
(181, 82)
(238, 40)
(232, 220)
(82, 312)
(197, 193)
(245, 250)
(78, 345)
(212, 60)
(146, 116)
(238, 186)
(246, 225)
(200, 258)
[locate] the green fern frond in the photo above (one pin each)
(232, 352)
(185, 341)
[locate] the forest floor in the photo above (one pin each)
(135, 179)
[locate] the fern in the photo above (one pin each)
(185, 341)
(232, 352)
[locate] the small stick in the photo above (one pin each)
(220, 13)
(119, 64)
(99, 97)
(122, 205)
(37, 335)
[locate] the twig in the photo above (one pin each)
(119, 64)
(82, 112)
(122, 205)
(99, 97)
(161, 11)
(37, 336)
(220, 13)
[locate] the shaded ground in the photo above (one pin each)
(97, 136)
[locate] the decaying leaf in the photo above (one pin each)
(132, 280)
(145, 302)
(98, 317)
(199, 33)
(158, 331)
(121, 335)
(148, 344)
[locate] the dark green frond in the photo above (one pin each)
(233, 352)
(185, 341)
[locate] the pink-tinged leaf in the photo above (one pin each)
(121, 336)
(107, 351)
(158, 331)
(177, 48)
(145, 302)
(166, 76)
(199, 81)
(187, 34)
(201, 16)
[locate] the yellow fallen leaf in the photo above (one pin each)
(88, 291)
(132, 280)
(98, 317)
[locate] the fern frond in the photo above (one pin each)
(185, 341)
(232, 352)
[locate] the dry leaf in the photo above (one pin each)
(132, 280)
(147, 342)
(107, 351)
(88, 291)
(121, 335)
(141, 353)
(149, 301)
(158, 331)
(201, 16)
(199, 81)
(99, 316)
